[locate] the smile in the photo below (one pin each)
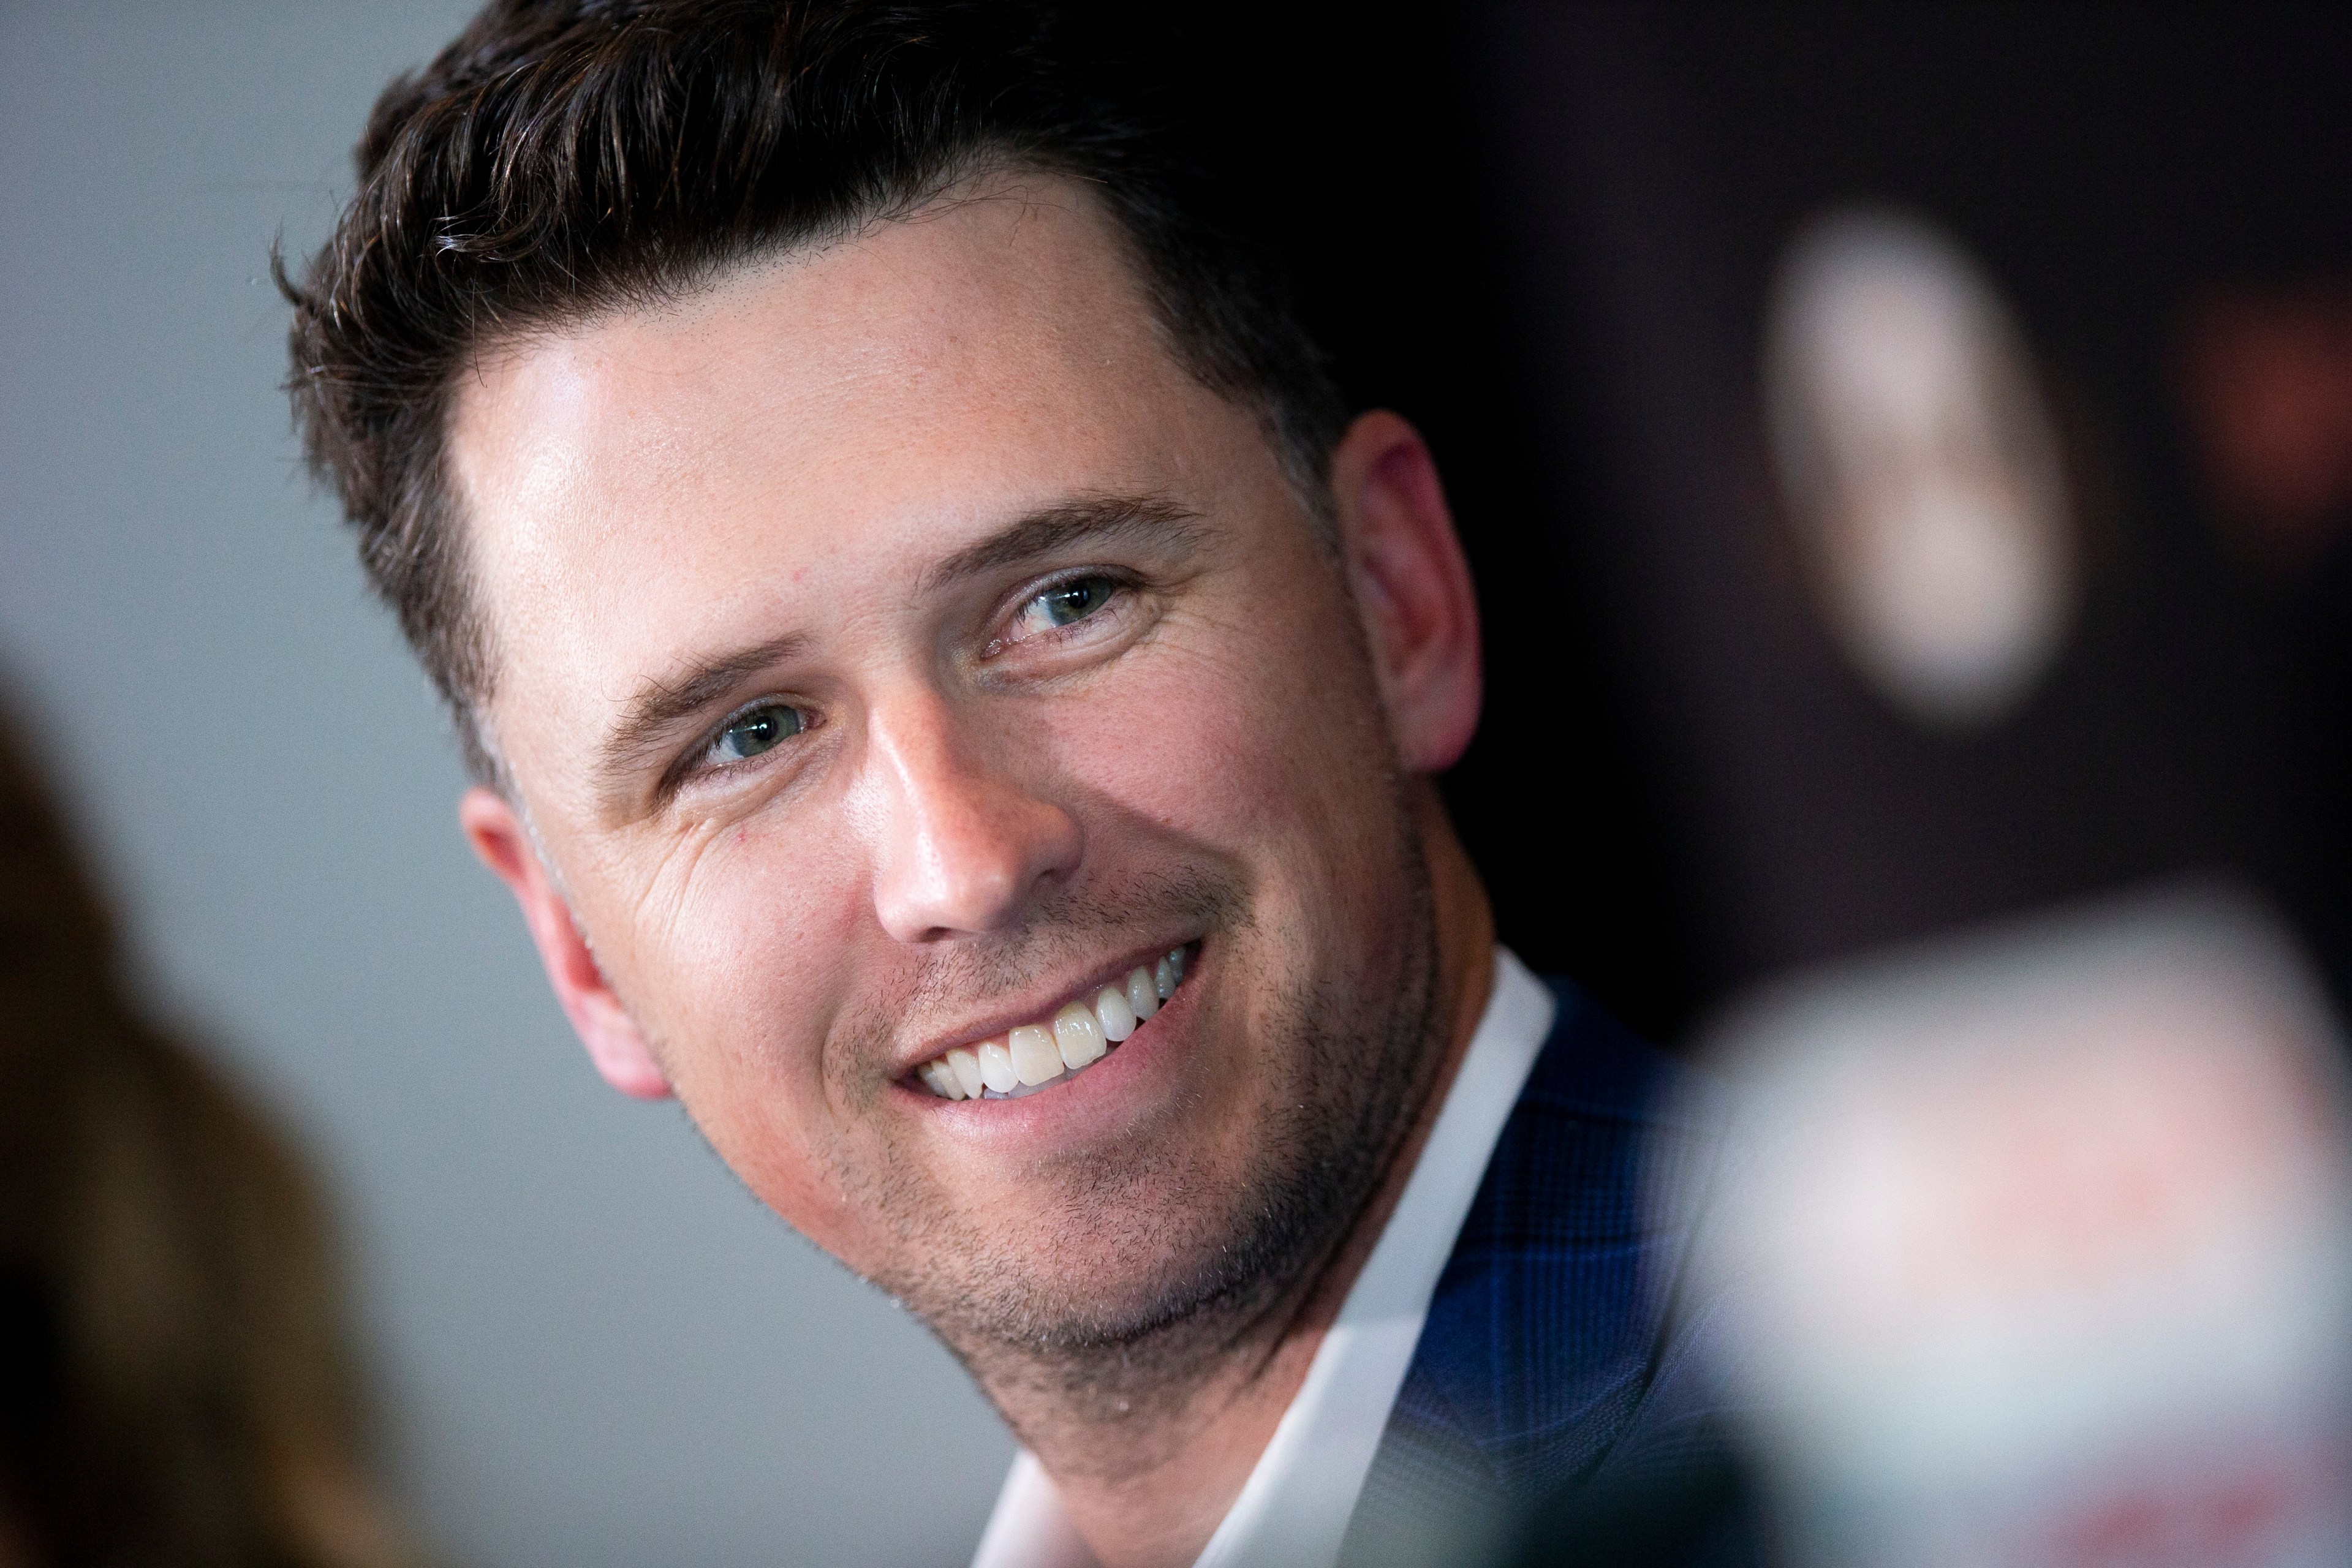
(1045, 1055)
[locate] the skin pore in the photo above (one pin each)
(895, 642)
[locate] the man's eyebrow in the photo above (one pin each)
(662, 704)
(1086, 519)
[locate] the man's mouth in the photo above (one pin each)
(1076, 1035)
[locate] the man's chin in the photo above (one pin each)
(1118, 1265)
(1060, 1287)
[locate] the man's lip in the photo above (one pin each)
(1011, 1017)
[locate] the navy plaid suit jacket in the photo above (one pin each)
(1560, 1346)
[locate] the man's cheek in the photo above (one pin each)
(741, 1053)
(793, 1168)
(1195, 751)
(756, 944)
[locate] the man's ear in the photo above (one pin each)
(1412, 586)
(614, 1040)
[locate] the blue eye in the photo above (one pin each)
(1067, 603)
(756, 730)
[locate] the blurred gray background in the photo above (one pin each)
(591, 1345)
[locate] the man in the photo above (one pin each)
(956, 700)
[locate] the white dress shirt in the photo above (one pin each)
(1292, 1511)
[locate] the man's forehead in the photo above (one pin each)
(976, 321)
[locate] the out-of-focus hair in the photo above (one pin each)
(566, 157)
(175, 1385)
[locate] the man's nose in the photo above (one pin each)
(964, 843)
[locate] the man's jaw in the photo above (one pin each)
(1062, 1042)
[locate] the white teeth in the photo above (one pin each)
(996, 1067)
(1078, 1036)
(965, 1066)
(1117, 1018)
(1143, 995)
(1035, 1059)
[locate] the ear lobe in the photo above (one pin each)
(615, 1042)
(1413, 585)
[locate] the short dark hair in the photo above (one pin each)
(563, 157)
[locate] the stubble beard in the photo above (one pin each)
(1216, 1257)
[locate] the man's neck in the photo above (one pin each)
(1146, 1482)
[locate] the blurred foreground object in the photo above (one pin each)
(2042, 1247)
(175, 1385)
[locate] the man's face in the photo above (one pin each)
(894, 644)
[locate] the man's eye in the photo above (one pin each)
(1067, 603)
(756, 730)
